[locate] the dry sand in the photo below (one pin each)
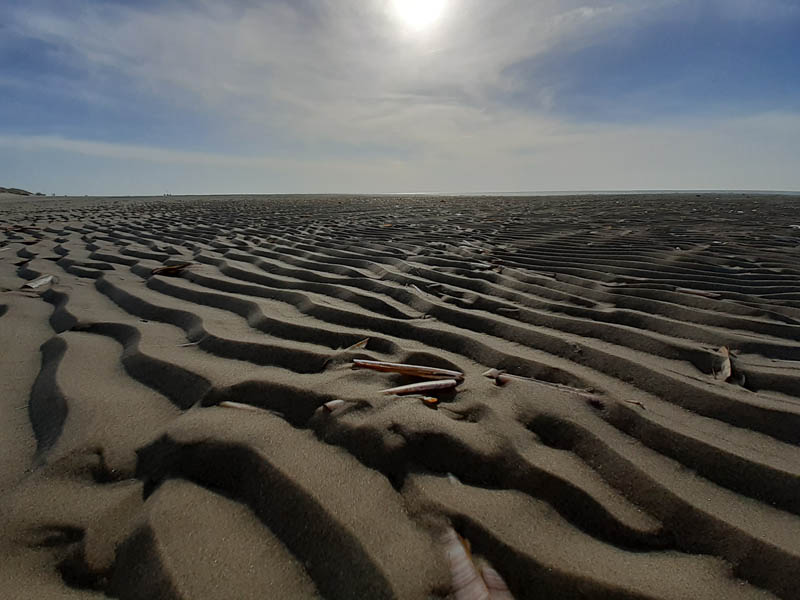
(121, 475)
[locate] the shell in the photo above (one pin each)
(357, 346)
(333, 405)
(727, 364)
(466, 581)
(414, 370)
(498, 590)
(414, 388)
(37, 283)
(239, 406)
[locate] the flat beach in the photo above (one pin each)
(201, 433)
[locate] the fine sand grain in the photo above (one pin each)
(164, 436)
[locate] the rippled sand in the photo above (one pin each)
(641, 474)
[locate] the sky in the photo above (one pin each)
(150, 97)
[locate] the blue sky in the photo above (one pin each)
(123, 97)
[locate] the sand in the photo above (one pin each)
(619, 464)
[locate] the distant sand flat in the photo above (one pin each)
(125, 470)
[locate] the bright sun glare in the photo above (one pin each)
(419, 14)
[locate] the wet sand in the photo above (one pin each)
(621, 463)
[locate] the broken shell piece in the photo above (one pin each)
(414, 388)
(498, 590)
(414, 370)
(493, 373)
(727, 365)
(466, 581)
(239, 406)
(430, 400)
(728, 371)
(466, 543)
(37, 283)
(357, 345)
(501, 377)
(333, 405)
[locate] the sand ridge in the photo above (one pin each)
(126, 473)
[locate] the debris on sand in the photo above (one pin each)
(429, 401)
(498, 590)
(239, 406)
(636, 403)
(501, 378)
(171, 270)
(413, 370)
(425, 386)
(37, 283)
(727, 371)
(333, 405)
(467, 582)
(596, 403)
(336, 356)
(357, 346)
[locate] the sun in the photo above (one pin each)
(419, 14)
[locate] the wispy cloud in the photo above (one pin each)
(340, 70)
(133, 152)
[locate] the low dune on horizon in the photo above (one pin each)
(183, 419)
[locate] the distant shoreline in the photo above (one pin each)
(562, 193)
